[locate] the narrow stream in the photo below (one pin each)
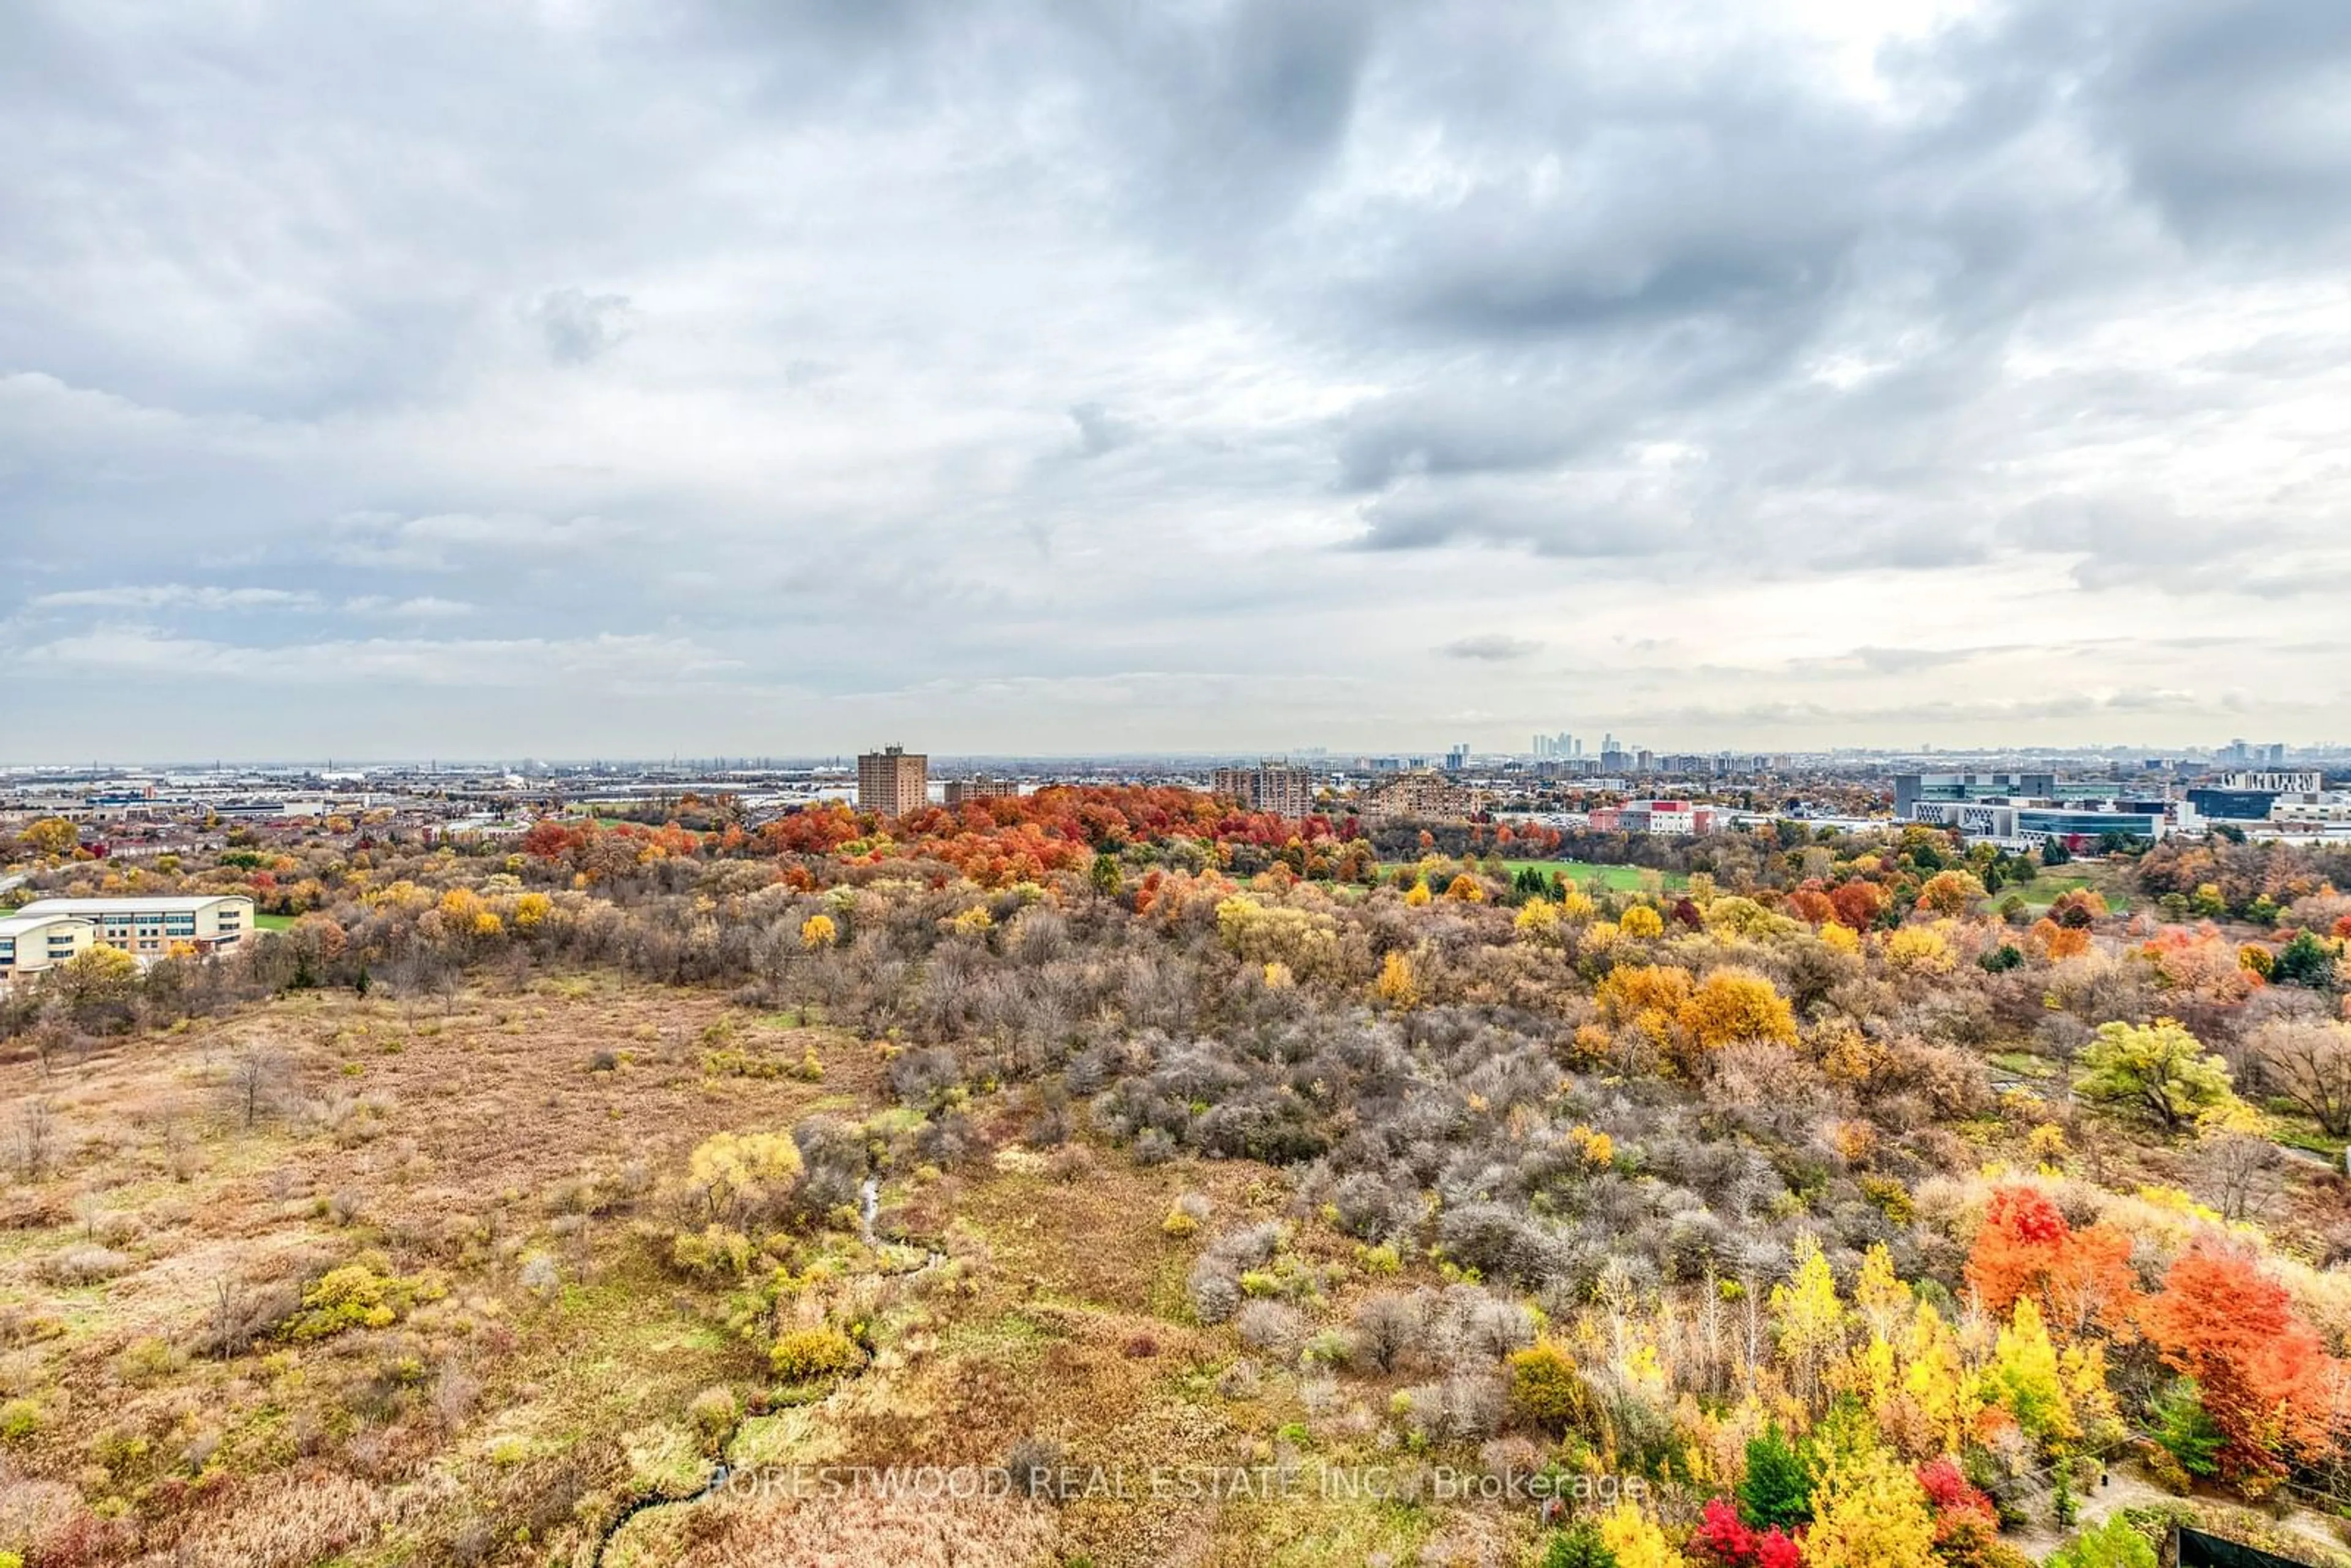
(869, 1207)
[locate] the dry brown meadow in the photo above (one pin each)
(503, 1165)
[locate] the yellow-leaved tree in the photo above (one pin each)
(1635, 1540)
(1735, 1004)
(1950, 893)
(1642, 921)
(1810, 1320)
(1870, 1512)
(1396, 985)
(741, 1178)
(1538, 920)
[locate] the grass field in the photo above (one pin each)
(2051, 886)
(1584, 873)
(272, 922)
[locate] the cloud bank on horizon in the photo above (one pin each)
(601, 377)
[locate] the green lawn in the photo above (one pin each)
(274, 922)
(2051, 885)
(1584, 874)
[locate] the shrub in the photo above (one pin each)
(1215, 1294)
(1547, 1390)
(1035, 1465)
(356, 1295)
(804, 1355)
(20, 1420)
(1271, 1326)
(714, 1412)
(85, 1263)
(740, 1179)
(1459, 1409)
(1390, 1330)
(713, 1252)
(2113, 1544)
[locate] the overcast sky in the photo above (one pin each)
(600, 378)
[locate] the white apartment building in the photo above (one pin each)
(151, 927)
(31, 943)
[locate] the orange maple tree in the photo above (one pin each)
(2264, 1375)
(2078, 1278)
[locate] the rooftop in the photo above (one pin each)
(18, 925)
(176, 905)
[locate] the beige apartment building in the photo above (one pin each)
(1274, 786)
(32, 943)
(1421, 797)
(980, 787)
(151, 927)
(893, 781)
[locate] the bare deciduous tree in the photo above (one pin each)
(254, 1084)
(2240, 1172)
(2308, 1060)
(36, 1133)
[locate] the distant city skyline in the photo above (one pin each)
(627, 379)
(980, 764)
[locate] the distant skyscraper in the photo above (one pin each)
(893, 781)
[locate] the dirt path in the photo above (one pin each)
(2124, 1488)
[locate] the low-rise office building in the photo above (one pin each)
(151, 927)
(30, 942)
(1914, 788)
(2031, 824)
(2314, 809)
(1672, 819)
(2233, 805)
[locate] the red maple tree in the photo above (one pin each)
(2266, 1379)
(2079, 1279)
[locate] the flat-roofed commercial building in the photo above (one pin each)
(1910, 789)
(31, 943)
(1661, 819)
(151, 927)
(893, 781)
(2300, 782)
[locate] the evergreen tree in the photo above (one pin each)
(1578, 1546)
(1778, 1486)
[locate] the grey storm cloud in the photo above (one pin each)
(1186, 350)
